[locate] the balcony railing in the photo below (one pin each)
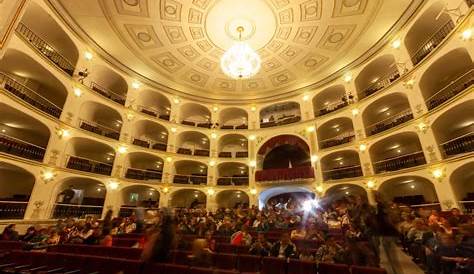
(21, 148)
(342, 173)
(241, 126)
(285, 174)
(390, 122)
(281, 121)
(143, 174)
(193, 151)
(400, 162)
(87, 165)
(432, 42)
(468, 206)
(12, 210)
(62, 211)
(459, 145)
(127, 211)
(197, 123)
(340, 139)
(331, 108)
(382, 82)
(237, 180)
(118, 98)
(455, 87)
(233, 154)
(45, 49)
(150, 144)
(99, 129)
(155, 112)
(190, 179)
(29, 96)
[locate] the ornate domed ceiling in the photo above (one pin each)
(177, 44)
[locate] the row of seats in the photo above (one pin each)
(97, 130)
(190, 179)
(337, 142)
(388, 125)
(450, 93)
(381, 84)
(88, 166)
(139, 174)
(238, 154)
(102, 91)
(11, 146)
(155, 114)
(398, 163)
(280, 122)
(325, 111)
(15, 89)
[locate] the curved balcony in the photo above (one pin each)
(338, 140)
(107, 93)
(236, 180)
(155, 112)
(400, 162)
(150, 144)
(456, 86)
(342, 173)
(390, 122)
(99, 129)
(143, 174)
(284, 174)
(21, 148)
(87, 165)
(190, 179)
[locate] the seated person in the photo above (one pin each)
(299, 233)
(284, 248)
(260, 247)
(241, 237)
(330, 252)
(201, 254)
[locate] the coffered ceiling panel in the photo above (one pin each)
(177, 44)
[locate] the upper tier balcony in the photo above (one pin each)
(100, 129)
(118, 98)
(432, 42)
(456, 86)
(400, 162)
(88, 165)
(284, 174)
(143, 174)
(17, 147)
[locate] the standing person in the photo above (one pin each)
(162, 242)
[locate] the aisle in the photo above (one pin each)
(406, 264)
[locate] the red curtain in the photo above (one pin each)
(285, 174)
(283, 140)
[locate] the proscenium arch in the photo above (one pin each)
(266, 194)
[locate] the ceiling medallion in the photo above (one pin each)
(240, 61)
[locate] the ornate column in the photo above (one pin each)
(428, 143)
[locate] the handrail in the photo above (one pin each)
(145, 170)
(208, 120)
(400, 114)
(397, 157)
(457, 138)
(342, 168)
(12, 202)
(450, 84)
(150, 141)
(92, 123)
(4, 79)
(74, 205)
(21, 141)
(189, 175)
(422, 205)
(430, 38)
(68, 156)
(94, 84)
(234, 177)
(27, 33)
(340, 136)
(158, 110)
(384, 78)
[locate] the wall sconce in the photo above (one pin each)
(409, 84)
(176, 100)
(213, 135)
(113, 185)
(306, 97)
(77, 92)
(438, 174)
(314, 158)
(173, 129)
(253, 108)
(310, 129)
(130, 116)
(347, 77)
(215, 108)
(212, 163)
(88, 55)
(252, 137)
(362, 147)
(63, 133)
(211, 191)
(122, 149)
(253, 163)
(466, 35)
(319, 188)
(355, 111)
(422, 127)
(169, 159)
(396, 43)
(371, 184)
(253, 191)
(165, 189)
(136, 84)
(48, 175)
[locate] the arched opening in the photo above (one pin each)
(454, 129)
(22, 135)
(336, 132)
(330, 99)
(100, 119)
(233, 118)
(90, 156)
(341, 165)
(16, 185)
(154, 104)
(190, 172)
(31, 82)
(232, 199)
(108, 83)
(150, 135)
(284, 158)
(428, 32)
(446, 77)
(399, 151)
(138, 196)
(409, 191)
(386, 113)
(192, 143)
(229, 173)
(188, 198)
(280, 114)
(344, 192)
(290, 193)
(461, 181)
(79, 197)
(48, 38)
(377, 75)
(233, 145)
(143, 166)
(195, 115)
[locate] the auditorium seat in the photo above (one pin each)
(164, 268)
(202, 270)
(180, 257)
(355, 269)
(301, 267)
(273, 265)
(225, 261)
(225, 248)
(249, 263)
(328, 268)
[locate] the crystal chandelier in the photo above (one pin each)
(240, 61)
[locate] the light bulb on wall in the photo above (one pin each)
(355, 111)
(113, 185)
(310, 129)
(314, 158)
(347, 77)
(88, 55)
(253, 163)
(122, 149)
(466, 34)
(169, 159)
(136, 84)
(362, 147)
(253, 191)
(396, 44)
(77, 92)
(173, 129)
(306, 97)
(252, 137)
(212, 163)
(371, 184)
(213, 135)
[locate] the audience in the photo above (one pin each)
(344, 231)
